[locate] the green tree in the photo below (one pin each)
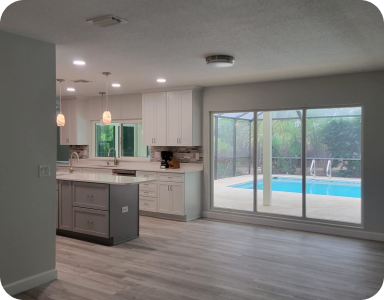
(343, 140)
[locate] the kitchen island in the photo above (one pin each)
(98, 208)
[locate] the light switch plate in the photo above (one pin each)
(157, 154)
(197, 156)
(124, 209)
(44, 170)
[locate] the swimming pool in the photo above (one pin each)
(314, 186)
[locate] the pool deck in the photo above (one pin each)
(324, 207)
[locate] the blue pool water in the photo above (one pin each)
(314, 186)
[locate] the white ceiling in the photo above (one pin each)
(270, 39)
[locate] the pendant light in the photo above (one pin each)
(60, 119)
(102, 107)
(107, 117)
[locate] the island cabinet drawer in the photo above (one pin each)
(146, 174)
(149, 204)
(92, 222)
(91, 195)
(148, 193)
(171, 177)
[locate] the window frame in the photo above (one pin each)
(92, 147)
(304, 217)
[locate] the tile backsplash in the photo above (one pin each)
(183, 154)
(82, 150)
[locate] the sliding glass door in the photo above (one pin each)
(334, 164)
(279, 179)
(274, 183)
(233, 174)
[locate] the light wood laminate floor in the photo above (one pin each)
(206, 259)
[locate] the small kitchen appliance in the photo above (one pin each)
(165, 157)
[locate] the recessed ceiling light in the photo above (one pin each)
(220, 61)
(161, 80)
(79, 63)
(71, 89)
(116, 85)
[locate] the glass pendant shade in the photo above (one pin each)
(60, 120)
(107, 118)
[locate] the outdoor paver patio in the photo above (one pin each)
(324, 207)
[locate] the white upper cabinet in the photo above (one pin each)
(155, 119)
(179, 119)
(75, 130)
(180, 115)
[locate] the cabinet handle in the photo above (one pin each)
(168, 187)
(180, 140)
(154, 140)
(171, 188)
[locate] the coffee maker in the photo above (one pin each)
(165, 156)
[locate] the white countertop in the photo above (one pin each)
(102, 178)
(137, 166)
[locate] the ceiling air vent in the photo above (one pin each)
(81, 81)
(106, 21)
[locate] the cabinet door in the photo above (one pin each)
(154, 119)
(65, 131)
(186, 119)
(65, 205)
(164, 198)
(177, 190)
(174, 118)
(179, 121)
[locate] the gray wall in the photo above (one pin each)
(28, 138)
(364, 89)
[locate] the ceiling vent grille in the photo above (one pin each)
(81, 81)
(107, 21)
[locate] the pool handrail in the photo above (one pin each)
(312, 170)
(329, 169)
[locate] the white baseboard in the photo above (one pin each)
(30, 282)
(310, 227)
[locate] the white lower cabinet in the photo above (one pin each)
(174, 194)
(171, 198)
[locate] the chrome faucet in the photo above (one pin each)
(71, 170)
(115, 161)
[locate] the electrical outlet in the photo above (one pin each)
(197, 156)
(44, 170)
(157, 154)
(124, 209)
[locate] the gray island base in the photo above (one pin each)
(106, 213)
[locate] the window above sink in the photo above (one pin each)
(123, 136)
